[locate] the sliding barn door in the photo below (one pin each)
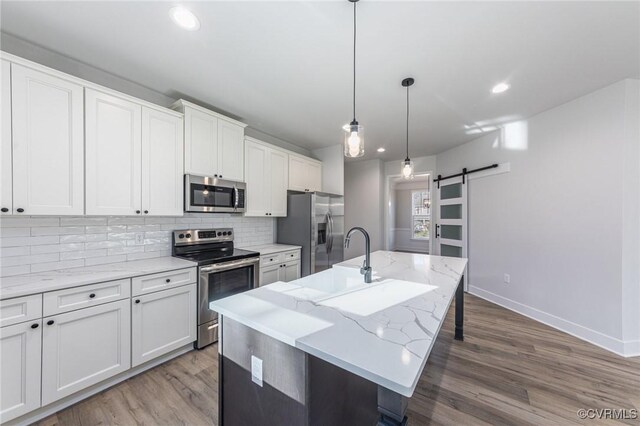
(451, 225)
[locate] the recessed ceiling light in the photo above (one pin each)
(500, 87)
(381, 149)
(184, 18)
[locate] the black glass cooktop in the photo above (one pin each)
(217, 256)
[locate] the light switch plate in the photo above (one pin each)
(256, 370)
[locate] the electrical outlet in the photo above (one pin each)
(139, 238)
(256, 370)
(507, 278)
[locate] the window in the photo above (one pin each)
(421, 214)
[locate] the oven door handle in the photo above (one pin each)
(230, 265)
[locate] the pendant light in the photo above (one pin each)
(407, 164)
(354, 133)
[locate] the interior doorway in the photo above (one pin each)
(408, 218)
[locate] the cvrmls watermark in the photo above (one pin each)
(608, 413)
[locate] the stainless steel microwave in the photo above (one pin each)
(213, 195)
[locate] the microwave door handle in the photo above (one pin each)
(236, 197)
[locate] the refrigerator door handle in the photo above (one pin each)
(330, 236)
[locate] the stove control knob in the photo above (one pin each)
(229, 232)
(219, 233)
(188, 235)
(181, 236)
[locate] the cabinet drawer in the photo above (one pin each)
(291, 255)
(20, 309)
(163, 281)
(271, 259)
(57, 302)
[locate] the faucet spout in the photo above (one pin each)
(366, 266)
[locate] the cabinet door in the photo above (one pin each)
(291, 271)
(230, 151)
(162, 159)
(200, 143)
(162, 322)
(84, 347)
(20, 369)
(258, 199)
(278, 180)
(314, 176)
(298, 173)
(113, 164)
(6, 197)
(270, 274)
(48, 144)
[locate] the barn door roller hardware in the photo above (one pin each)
(464, 173)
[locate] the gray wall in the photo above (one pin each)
(363, 194)
(564, 221)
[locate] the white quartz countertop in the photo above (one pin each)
(24, 285)
(382, 331)
(271, 248)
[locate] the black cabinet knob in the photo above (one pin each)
(215, 175)
(92, 295)
(137, 300)
(137, 211)
(4, 210)
(50, 322)
(220, 176)
(146, 212)
(168, 280)
(20, 210)
(35, 325)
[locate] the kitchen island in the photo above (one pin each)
(331, 349)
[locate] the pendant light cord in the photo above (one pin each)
(354, 62)
(407, 122)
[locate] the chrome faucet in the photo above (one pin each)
(366, 266)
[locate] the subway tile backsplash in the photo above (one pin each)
(37, 244)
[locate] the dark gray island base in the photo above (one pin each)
(298, 388)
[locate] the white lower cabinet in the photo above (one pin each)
(20, 352)
(274, 268)
(269, 274)
(84, 347)
(162, 322)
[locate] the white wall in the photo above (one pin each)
(363, 195)
(564, 221)
(332, 158)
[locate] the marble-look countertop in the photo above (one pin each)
(271, 248)
(382, 331)
(41, 282)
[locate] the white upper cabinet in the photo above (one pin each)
(213, 143)
(201, 143)
(267, 175)
(305, 174)
(162, 142)
(114, 151)
(230, 151)
(278, 179)
(256, 157)
(6, 179)
(47, 135)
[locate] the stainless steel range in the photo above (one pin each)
(222, 271)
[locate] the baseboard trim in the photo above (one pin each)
(68, 401)
(617, 346)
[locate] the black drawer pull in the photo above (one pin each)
(50, 322)
(4, 210)
(146, 212)
(92, 295)
(35, 325)
(137, 211)
(168, 280)
(137, 300)
(20, 210)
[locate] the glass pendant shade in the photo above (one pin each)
(353, 140)
(407, 169)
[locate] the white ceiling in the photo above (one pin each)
(285, 67)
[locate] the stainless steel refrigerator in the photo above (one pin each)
(315, 221)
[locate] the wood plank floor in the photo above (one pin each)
(510, 370)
